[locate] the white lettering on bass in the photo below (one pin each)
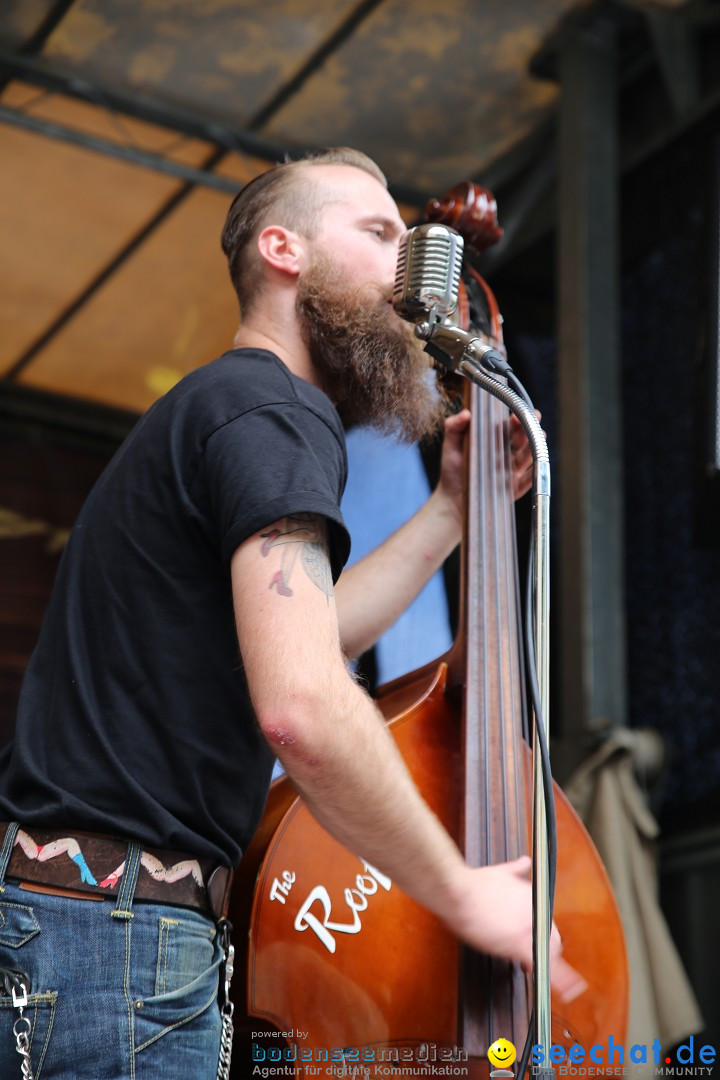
(356, 899)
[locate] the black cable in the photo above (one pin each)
(518, 387)
(539, 722)
(546, 770)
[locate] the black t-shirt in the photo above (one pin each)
(134, 718)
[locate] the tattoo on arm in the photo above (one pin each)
(304, 535)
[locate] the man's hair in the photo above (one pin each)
(284, 195)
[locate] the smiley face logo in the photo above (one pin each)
(502, 1053)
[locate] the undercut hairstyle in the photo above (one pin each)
(284, 195)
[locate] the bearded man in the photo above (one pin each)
(200, 627)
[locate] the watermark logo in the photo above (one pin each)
(577, 1060)
(501, 1054)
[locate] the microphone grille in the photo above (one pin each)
(428, 274)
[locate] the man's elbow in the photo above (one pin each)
(297, 730)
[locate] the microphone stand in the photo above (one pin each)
(460, 351)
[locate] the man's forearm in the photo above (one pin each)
(374, 592)
(357, 786)
(353, 779)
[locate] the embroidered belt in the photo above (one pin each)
(88, 865)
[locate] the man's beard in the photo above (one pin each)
(369, 362)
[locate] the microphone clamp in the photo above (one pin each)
(450, 345)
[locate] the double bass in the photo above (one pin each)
(337, 971)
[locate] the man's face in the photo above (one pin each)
(368, 359)
(359, 229)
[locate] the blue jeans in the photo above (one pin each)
(118, 991)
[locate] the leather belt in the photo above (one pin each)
(90, 866)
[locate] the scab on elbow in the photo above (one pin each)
(286, 745)
(278, 736)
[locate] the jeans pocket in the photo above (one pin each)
(17, 925)
(185, 979)
(39, 1014)
(185, 950)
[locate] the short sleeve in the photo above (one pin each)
(272, 461)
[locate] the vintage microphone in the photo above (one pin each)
(428, 273)
(426, 291)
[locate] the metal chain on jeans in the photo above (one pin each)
(226, 1006)
(21, 1030)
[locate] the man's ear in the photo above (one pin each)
(282, 249)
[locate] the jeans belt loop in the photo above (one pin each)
(126, 895)
(11, 832)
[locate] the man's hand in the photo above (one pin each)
(494, 915)
(452, 461)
